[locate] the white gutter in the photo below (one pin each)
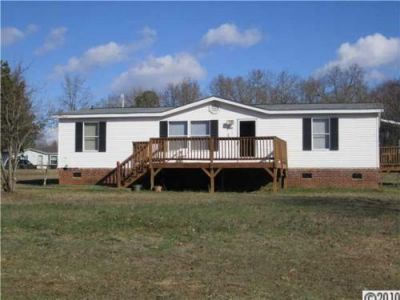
(275, 112)
(390, 122)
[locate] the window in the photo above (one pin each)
(177, 129)
(91, 136)
(53, 160)
(40, 160)
(200, 128)
(320, 133)
(306, 175)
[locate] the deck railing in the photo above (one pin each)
(204, 149)
(264, 149)
(390, 157)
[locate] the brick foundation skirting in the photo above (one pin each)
(81, 176)
(348, 178)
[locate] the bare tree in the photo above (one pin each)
(259, 87)
(241, 90)
(312, 90)
(388, 93)
(112, 100)
(19, 126)
(181, 93)
(222, 86)
(76, 95)
(286, 89)
(345, 85)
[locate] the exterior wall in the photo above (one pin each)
(224, 114)
(358, 142)
(34, 158)
(88, 176)
(338, 178)
(120, 135)
(358, 138)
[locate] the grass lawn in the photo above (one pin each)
(103, 243)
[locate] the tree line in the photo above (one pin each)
(21, 125)
(336, 85)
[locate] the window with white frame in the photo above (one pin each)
(200, 128)
(320, 133)
(91, 137)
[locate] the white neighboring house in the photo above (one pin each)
(41, 159)
(327, 144)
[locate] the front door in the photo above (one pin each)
(247, 132)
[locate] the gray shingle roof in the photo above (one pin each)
(272, 107)
(320, 106)
(118, 110)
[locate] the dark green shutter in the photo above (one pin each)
(214, 133)
(102, 136)
(306, 134)
(334, 134)
(163, 129)
(78, 136)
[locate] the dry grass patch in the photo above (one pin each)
(95, 242)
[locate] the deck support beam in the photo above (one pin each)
(277, 178)
(153, 173)
(275, 181)
(212, 173)
(118, 175)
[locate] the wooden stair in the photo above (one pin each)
(131, 169)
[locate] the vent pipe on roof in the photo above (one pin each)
(122, 100)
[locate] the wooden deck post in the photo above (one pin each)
(153, 174)
(211, 147)
(212, 181)
(152, 178)
(275, 180)
(285, 178)
(118, 174)
(212, 174)
(164, 148)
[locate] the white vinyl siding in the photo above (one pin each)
(358, 137)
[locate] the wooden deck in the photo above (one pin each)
(211, 155)
(390, 159)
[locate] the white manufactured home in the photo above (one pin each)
(40, 159)
(311, 145)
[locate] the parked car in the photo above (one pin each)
(23, 164)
